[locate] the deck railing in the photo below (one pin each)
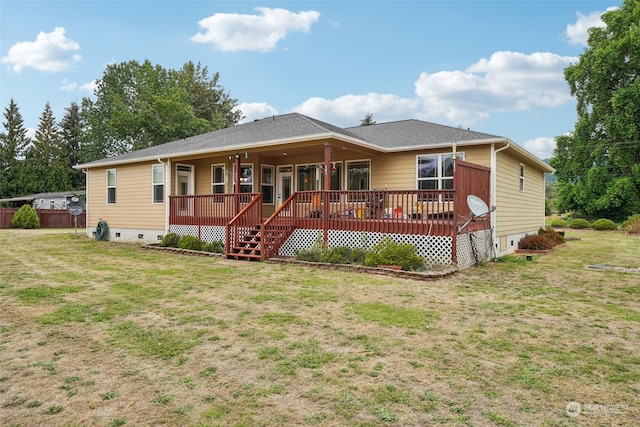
(278, 227)
(403, 212)
(242, 224)
(398, 211)
(207, 209)
(422, 212)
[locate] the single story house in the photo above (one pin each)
(282, 183)
(54, 200)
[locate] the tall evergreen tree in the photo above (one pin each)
(46, 167)
(13, 144)
(368, 120)
(71, 131)
(598, 165)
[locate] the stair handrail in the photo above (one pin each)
(267, 227)
(242, 217)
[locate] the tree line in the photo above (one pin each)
(136, 105)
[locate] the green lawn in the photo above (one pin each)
(102, 333)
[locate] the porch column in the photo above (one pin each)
(327, 187)
(238, 174)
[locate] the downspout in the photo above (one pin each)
(494, 162)
(86, 201)
(167, 171)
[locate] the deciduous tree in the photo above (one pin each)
(598, 165)
(141, 105)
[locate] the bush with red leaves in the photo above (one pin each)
(536, 242)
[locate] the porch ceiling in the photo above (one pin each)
(283, 151)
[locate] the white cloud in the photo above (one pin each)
(67, 86)
(540, 147)
(89, 87)
(508, 81)
(50, 52)
(578, 33)
(234, 32)
(255, 110)
(349, 110)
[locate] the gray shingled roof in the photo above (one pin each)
(289, 127)
(54, 195)
(415, 133)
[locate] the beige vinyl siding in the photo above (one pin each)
(203, 172)
(480, 155)
(393, 171)
(398, 171)
(134, 207)
(516, 211)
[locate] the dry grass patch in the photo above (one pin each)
(102, 333)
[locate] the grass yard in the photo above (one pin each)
(106, 334)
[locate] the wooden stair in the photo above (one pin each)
(251, 246)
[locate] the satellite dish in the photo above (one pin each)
(75, 210)
(477, 206)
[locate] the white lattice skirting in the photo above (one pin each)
(436, 250)
(473, 248)
(208, 234)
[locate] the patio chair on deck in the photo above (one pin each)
(375, 205)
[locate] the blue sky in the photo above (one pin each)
(491, 66)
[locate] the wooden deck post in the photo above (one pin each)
(325, 195)
(238, 191)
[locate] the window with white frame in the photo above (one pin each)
(111, 186)
(335, 180)
(307, 177)
(335, 174)
(435, 171)
(267, 184)
(521, 177)
(358, 178)
(218, 180)
(157, 172)
(246, 178)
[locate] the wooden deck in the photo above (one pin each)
(405, 212)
